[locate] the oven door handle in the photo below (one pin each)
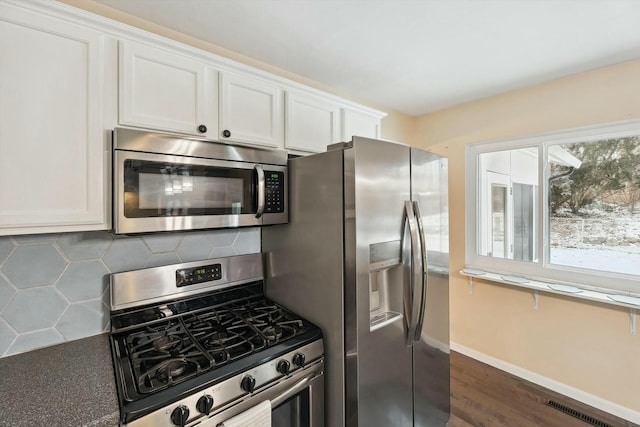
(292, 390)
(261, 190)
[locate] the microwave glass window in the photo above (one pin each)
(163, 189)
(186, 191)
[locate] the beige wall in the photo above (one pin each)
(584, 345)
(396, 126)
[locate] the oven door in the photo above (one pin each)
(158, 192)
(296, 402)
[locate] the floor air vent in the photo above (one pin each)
(577, 414)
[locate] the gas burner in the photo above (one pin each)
(216, 341)
(166, 373)
(272, 332)
(167, 344)
(171, 369)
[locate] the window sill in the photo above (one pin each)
(632, 303)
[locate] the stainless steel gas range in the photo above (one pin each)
(199, 344)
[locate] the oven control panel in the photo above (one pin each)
(194, 275)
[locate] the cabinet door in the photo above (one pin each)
(359, 123)
(53, 158)
(161, 90)
(312, 123)
(250, 111)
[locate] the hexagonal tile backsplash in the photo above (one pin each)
(55, 287)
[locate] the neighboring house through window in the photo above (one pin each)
(563, 206)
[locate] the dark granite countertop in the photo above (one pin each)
(71, 384)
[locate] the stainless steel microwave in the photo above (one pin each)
(164, 182)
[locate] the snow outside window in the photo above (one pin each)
(562, 207)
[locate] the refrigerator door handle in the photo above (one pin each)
(410, 293)
(424, 282)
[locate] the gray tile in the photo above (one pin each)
(195, 247)
(84, 246)
(83, 319)
(126, 254)
(33, 340)
(34, 265)
(165, 242)
(222, 252)
(6, 336)
(29, 239)
(6, 246)
(224, 237)
(248, 241)
(158, 260)
(33, 309)
(6, 292)
(83, 280)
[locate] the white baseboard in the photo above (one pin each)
(558, 387)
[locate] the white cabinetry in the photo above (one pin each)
(360, 123)
(53, 146)
(312, 122)
(251, 110)
(162, 90)
(67, 77)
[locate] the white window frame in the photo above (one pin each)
(541, 270)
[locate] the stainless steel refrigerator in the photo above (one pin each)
(365, 256)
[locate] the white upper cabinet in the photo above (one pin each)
(360, 123)
(312, 123)
(68, 77)
(53, 102)
(162, 90)
(251, 110)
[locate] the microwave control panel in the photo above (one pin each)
(274, 192)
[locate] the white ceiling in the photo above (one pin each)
(414, 56)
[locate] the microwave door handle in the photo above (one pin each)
(425, 277)
(261, 191)
(410, 306)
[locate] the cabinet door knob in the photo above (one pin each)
(202, 129)
(226, 133)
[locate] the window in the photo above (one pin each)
(563, 207)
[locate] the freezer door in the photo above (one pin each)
(429, 184)
(378, 360)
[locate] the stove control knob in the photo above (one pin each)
(283, 367)
(204, 404)
(180, 415)
(298, 359)
(248, 384)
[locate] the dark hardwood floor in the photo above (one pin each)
(483, 396)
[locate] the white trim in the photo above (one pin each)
(564, 389)
(581, 291)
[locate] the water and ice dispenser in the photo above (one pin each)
(387, 276)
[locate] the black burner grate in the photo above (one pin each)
(163, 354)
(167, 352)
(224, 336)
